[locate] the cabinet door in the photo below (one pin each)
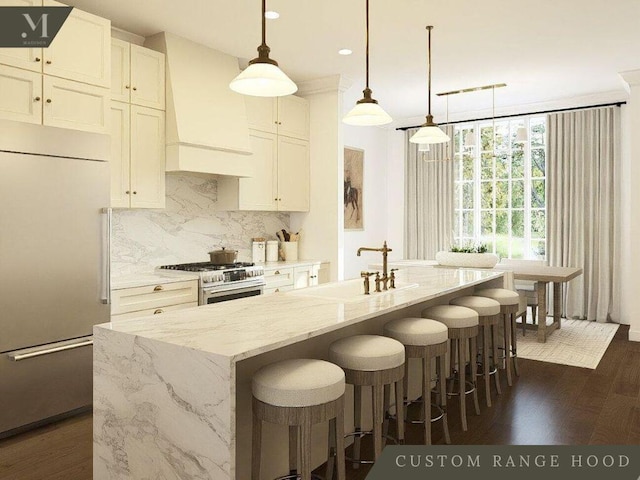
(302, 276)
(120, 74)
(147, 77)
(27, 58)
(293, 175)
(20, 95)
(75, 105)
(147, 158)
(293, 117)
(262, 113)
(260, 191)
(120, 156)
(81, 50)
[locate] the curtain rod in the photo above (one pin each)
(613, 104)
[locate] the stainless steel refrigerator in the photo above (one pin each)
(54, 185)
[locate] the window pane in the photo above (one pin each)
(502, 222)
(485, 138)
(539, 249)
(517, 194)
(467, 167)
(538, 225)
(456, 140)
(537, 133)
(486, 195)
(537, 194)
(502, 194)
(517, 223)
(537, 162)
(467, 223)
(517, 247)
(467, 195)
(486, 164)
(517, 164)
(502, 135)
(456, 223)
(486, 229)
(502, 246)
(502, 166)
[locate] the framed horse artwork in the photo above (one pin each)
(353, 188)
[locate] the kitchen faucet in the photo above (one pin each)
(385, 250)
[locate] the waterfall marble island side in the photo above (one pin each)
(172, 396)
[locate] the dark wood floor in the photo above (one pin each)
(548, 404)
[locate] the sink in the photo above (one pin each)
(349, 290)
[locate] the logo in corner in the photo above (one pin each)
(30, 27)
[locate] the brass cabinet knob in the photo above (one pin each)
(48, 62)
(128, 192)
(158, 311)
(37, 99)
(135, 193)
(48, 100)
(135, 88)
(277, 290)
(37, 59)
(277, 272)
(158, 288)
(127, 87)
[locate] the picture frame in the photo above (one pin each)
(353, 188)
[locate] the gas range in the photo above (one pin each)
(219, 283)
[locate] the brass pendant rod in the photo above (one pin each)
(264, 23)
(429, 28)
(367, 44)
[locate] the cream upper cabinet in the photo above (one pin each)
(27, 58)
(293, 175)
(81, 50)
(287, 116)
(137, 75)
(20, 95)
(260, 191)
(137, 157)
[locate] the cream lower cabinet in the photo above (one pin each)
(134, 302)
(305, 275)
(280, 180)
(35, 98)
(278, 279)
(137, 157)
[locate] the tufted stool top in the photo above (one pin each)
(417, 331)
(298, 382)
(367, 353)
(452, 316)
(484, 306)
(501, 295)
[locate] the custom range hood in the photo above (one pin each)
(207, 129)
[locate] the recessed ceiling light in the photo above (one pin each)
(345, 51)
(271, 15)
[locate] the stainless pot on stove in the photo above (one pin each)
(223, 256)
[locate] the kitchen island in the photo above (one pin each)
(172, 394)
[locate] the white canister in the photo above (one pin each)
(258, 251)
(290, 251)
(272, 251)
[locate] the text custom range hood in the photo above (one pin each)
(207, 129)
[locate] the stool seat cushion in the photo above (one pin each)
(367, 353)
(417, 331)
(452, 316)
(484, 306)
(298, 382)
(501, 295)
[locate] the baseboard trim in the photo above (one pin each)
(634, 335)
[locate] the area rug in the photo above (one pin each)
(578, 343)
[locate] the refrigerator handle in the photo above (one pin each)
(106, 299)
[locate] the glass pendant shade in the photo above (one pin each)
(429, 133)
(522, 134)
(263, 80)
(367, 113)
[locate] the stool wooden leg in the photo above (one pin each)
(442, 380)
(406, 378)
(494, 345)
(474, 371)
(339, 428)
(514, 345)
(507, 348)
(333, 449)
(426, 397)
(485, 364)
(462, 385)
(400, 410)
(385, 412)
(378, 412)
(305, 444)
(293, 449)
(357, 419)
(256, 443)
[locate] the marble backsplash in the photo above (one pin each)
(187, 229)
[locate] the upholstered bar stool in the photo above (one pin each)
(462, 325)
(299, 393)
(425, 339)
(376, 361)
(509, 301)
(488, 311)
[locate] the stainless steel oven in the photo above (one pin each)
(209, 295)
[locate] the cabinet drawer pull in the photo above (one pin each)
(37, 59)
(276, 290)
(158, 311)
(158, 288)
(277, 272)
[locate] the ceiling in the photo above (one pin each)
(544, 50)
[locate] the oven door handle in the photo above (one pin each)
(238, 289)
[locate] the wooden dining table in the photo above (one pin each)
(543, 275)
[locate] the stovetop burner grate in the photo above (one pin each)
(206, 266)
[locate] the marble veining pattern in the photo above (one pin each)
(187, 229)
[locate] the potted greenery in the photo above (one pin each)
(472, 256)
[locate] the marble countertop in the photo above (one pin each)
(250, 326)
(150, 278)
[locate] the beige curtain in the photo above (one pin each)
(583, 208)
(428, 198)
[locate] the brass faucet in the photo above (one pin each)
(366, 276)
(385, 250)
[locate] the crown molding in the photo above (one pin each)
(333, 83)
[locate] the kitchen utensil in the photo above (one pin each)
(280, 236)
(223, 256)
(286, 235)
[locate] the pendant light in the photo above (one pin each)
(429, 132)
(521, 135)
(470, 139)
(367, 112)
(263, 77)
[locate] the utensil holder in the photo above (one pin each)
(290, 251)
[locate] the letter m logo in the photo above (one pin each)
(34, 25)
